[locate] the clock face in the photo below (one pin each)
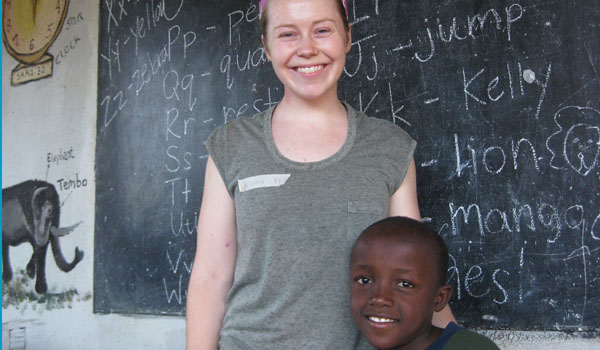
(31, 26)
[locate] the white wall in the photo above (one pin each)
(56, 115)
(59, 114)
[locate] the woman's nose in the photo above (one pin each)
(307, 47)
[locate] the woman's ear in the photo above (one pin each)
(262, 38)
(442, 297)
(349, 43)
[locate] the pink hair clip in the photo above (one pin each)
(264, 2)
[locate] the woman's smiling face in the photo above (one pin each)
(307, 44)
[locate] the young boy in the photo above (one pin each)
(398, 279)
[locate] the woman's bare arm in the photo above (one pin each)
(214, 263)
(404, 202)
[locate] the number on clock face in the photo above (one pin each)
(31, 26)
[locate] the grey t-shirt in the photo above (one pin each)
(296, 223)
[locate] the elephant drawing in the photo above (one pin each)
(31, 213)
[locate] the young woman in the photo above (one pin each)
(286, 194)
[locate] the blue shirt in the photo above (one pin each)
(456, 337)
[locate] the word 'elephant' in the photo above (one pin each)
(31, 212)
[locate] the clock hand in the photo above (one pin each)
(34, 6)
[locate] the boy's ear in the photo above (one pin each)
(442, 297)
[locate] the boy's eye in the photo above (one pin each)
(405, 284)
(363, 280)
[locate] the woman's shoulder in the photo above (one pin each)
(240, 128)
(378, 128)
(241, 123)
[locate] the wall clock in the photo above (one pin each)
(29, 27)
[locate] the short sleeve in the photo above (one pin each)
(391, 147)
(218, 148)
(405, 149)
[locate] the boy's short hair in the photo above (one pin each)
(407, 226)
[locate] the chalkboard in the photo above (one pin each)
(502, 98)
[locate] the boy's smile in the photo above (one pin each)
(394, 291)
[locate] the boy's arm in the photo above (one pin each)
(404, 202)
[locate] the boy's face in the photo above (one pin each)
(394, 289)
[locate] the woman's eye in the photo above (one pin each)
(405, 284)
(286, 35)
(323, 31)
(363, 280)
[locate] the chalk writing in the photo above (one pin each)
(494, 159)
(183, 225)
(252, 59)
(475, 283)
(497, 220)
(472, 28)
(577, 139)
(494, 93)
(251, 14)
(178, 267)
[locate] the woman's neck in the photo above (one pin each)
(307, 131)
(322, 110)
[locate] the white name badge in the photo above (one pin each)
(260, 181)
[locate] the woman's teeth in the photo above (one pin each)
(380, 319)
(309, 69)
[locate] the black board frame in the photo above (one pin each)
(502, 98)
